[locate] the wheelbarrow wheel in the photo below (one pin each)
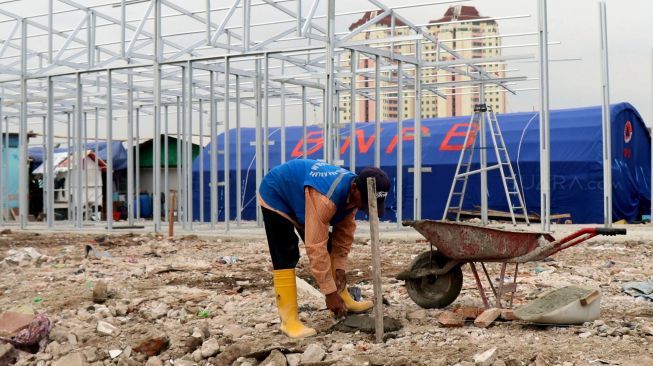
(434, 291)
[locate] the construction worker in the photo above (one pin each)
(311, 196)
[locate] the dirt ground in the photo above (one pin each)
(190, 291)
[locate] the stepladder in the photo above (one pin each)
(467, 166)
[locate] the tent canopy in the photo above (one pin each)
(576, 163)
(118, 153)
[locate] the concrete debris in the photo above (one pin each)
(105, 328)
(230, 313)
(114, 353)
(487, 317)
(210, 347)
(12, 322)
(154, 361)
(314, 353)
(8, 354)
(486, 358)
(72, 359)
(23, 257)
(231, 353)
(275, 358)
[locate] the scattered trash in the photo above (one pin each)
(203, 314)
(538, 270)
(89, 250)
(609, 263)
(567, 305)
(37, 300)
(642, 290)
(24, 256)
(228, 259)
(34, 337)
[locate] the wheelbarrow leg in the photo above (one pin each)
(489, 280)
(514, 282)
(501, 277)
(479, 285)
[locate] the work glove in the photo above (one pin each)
(335, 303)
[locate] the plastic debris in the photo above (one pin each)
(96, 254)
(642, 290)
(228, 259)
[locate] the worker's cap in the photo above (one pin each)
(382, 187)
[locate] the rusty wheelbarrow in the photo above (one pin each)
(434, 278)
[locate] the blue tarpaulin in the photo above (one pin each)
(118, 153)
(576, 163)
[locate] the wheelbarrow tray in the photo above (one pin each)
(469, 242)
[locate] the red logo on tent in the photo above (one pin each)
(628, 132)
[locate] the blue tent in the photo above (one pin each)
(576, 163)
(118, 153)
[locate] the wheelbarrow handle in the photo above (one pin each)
(609, 231)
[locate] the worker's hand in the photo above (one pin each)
(341, 280)
(335, 304)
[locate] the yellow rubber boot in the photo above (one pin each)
(353, 306)
(286, 291)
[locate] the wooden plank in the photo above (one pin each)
(593, 296)
(376, 259)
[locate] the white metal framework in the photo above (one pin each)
(137, 69)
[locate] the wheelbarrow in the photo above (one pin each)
(434, 278)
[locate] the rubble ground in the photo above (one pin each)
(209, 301)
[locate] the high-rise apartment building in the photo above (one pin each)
(461, 28)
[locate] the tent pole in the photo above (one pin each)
(606, 122)
(545, 144)
(239, 198)
(178, 147)
(189, 135)
(109, 175)
(400, 143)
(3, 176)
(137, 162)
(483, 153)
(352, 112)
(201, 160)
(283, 115)
(226, 165)
(377, 111)
(166, 155)
(130, 149)
(417, 160)
(214, 151)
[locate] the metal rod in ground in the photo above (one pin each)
(376, 259)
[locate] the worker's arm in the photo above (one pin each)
(341, 239)
(319, 211)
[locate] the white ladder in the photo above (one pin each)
(464, 170)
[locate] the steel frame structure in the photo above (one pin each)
(148, 73)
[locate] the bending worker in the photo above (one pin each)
(312, 196)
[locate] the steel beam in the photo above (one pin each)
(22, 134)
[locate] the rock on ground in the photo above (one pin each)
(486, 358)
(314, 353)
(275, 358)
